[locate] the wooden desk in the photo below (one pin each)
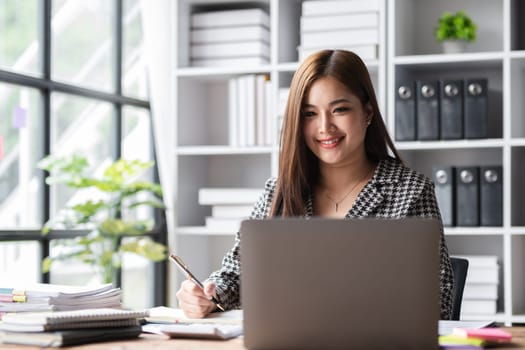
(157, 342)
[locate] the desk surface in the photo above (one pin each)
(158, 342)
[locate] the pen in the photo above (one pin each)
(178, 261)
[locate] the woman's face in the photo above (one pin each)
(334, 122)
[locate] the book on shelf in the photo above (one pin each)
(366, 52)
(221, 224)
(70, 337)
(238, 62)
(480, 260)
(230, 18)
(480, 291)
(233, 113)
(231, 211)
(254, 33)
(348, 37)
(484, 274)
(325, 7)
(270, 114)
(219, 196)
(339, 21)
(478, 307)
(261, 102)
(230, 50)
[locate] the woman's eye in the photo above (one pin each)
(340, 109)
(308, 114)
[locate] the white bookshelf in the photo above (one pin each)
(407, 50)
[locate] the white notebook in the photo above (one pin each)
(195, 330)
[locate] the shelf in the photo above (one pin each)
(474, 231)
(450, 144)
(478, 58)
(222, 150)
(220, 72)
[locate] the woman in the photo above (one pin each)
(334, 162)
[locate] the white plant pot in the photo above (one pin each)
(454, 46)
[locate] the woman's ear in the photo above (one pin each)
(369, 112)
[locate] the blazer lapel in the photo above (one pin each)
(367, 202)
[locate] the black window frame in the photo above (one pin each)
(46, 86)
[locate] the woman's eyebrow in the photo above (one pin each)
(334, 102)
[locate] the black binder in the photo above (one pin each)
(444, 181)
(467, 196)
(405, 112)
(427, 110)
(451, 109)
(476, 108)
(491, 195)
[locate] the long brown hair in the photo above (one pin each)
(298, 166)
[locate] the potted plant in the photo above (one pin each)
(455, 31)
(106, 213)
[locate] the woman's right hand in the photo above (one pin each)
(194, 301)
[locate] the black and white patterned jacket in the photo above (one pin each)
(394, 191)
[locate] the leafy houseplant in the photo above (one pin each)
(118, 192)
(456, 27)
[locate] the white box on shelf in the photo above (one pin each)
(231, 211)
(229, 34)
(230, 50)
(480, 291)
(339, 21)
(229, 18)
(221, 224)
(366, 52)
(478, 307)
(219, 196)
(484, 274)
(349, 37)
(325, 7)
(230, 62)
(480, 260)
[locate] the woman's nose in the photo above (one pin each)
(326, 125)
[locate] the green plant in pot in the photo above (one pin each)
(455, 31)
(113, 197)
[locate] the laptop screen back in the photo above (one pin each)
(327, 283)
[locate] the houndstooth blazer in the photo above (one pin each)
(394, 191)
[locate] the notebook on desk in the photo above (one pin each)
(324, 283)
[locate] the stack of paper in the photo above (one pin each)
(173, 322)
(229, 206)
(339, 24)
(54, 297)
(60, 328)
(230, 38)
(480, 295)
(476, 338)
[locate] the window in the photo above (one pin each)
(72, 80)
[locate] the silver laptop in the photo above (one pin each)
(327, 283)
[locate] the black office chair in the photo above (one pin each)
(460, 268)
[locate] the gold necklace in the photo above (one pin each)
(336, 203)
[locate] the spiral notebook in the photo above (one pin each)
(65, 318)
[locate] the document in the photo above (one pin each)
(162, 314)
(195, 330)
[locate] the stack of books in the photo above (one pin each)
(230, 38)
(480, 295)
(251, 121)
(61, 328)
(54, 297)
(229, 206)
(340, 24)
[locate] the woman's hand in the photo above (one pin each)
(195, 302)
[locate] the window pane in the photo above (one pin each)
(71, 272)
(137, 282)
(19, 49)
(20, 147)
(134, 82)
(19, 263)
(82, 44)
(84, 127)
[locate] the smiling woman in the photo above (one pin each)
(335, 161)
